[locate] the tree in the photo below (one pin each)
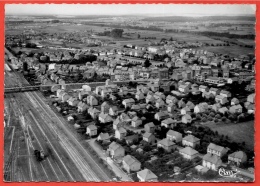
(117, 33)
(138, 36)
(147, 63)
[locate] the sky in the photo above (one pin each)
(125, 9)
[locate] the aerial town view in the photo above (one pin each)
(129, 93)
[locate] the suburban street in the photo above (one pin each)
(117, 170)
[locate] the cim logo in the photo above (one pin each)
(225, 172)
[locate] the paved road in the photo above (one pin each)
(117, 170)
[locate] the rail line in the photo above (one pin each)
(68, 133)
(70, 148)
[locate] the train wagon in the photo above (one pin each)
(39, 155)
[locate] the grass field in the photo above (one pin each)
(238, 132)
(231, 50)
(247, 41)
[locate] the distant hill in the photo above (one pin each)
(205, 18)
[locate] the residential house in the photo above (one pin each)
(112, 97)
(135, 107)
(120, 133)
(214, 91)
(174, 136)
(146, 176)
(93, 112)
(82, 94)
(223, 110)
(149, 127)
(181, 104)
(168, 123)
(161, 115)
(155, 87)
(188, 153)
(216, 150)
(149, 99)
(115, 150)
(124, 117)
(186, 119)
(195, 89)
(171, 99)
(225, 93)
(251, 98)
(117, 123)
(166, 144)
(149, 137)
(203, 88)
(123, 90)
(139, 95)
(64, 96)
(91, 130)
(131, 164)
(190, 141)
(128, 102)
(208, 95)
(82, 107)
(184, 89)
(159, 95)
(59, 92)
(104, 137)
(185, 110)
(216, 107)
(73, 101)
(105, 118)
(113, 111)
(131, 139)
(105, 92)
(251, 109)
(159, 103)
(171, 107)
(136, 122)
(234, 101)
(221, 99)
(200, 108)
(190, 105)
(236, 109)
(237, 158)
(105, 107)
(211, 161)
(92, 101)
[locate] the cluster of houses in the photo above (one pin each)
(210, 161)
(177, 64)
(144, 97)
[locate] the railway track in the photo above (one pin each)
(9, 167)
(67, 144)
(48, 169)
(67, 134)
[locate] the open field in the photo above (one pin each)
(233, 50)
(247, 41)
(238, 132)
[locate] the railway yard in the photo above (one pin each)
(32, 125)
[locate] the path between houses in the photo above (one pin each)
(116, 169)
